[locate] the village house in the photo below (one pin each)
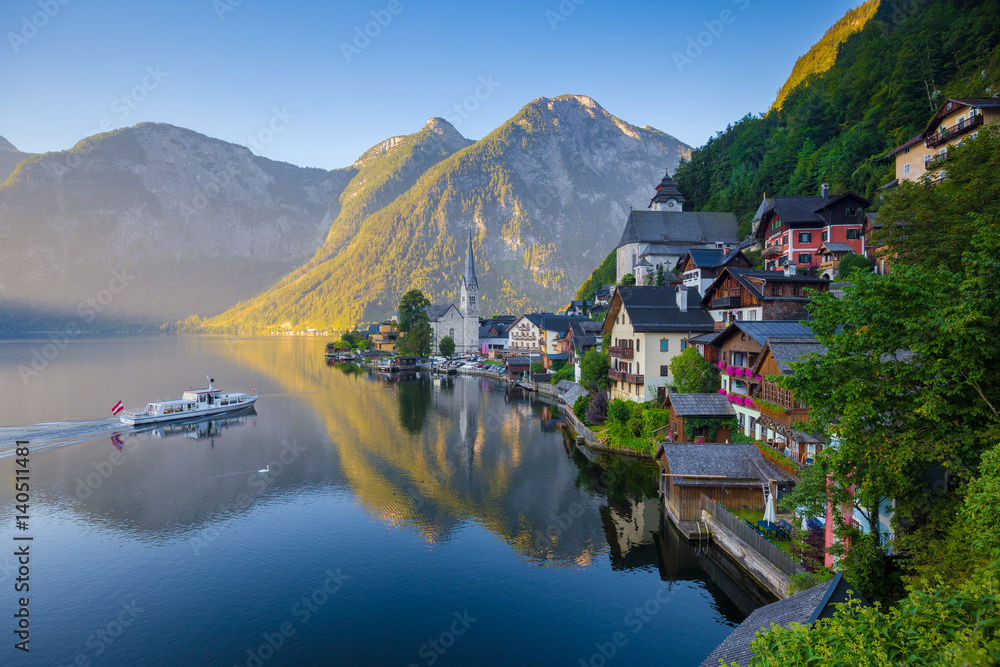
(957, 120)
(552, 330)
(575, 308)
(793, 228)
(734, 475)
(779, 412)
(524, 336)
(384, 337)
(665, 233)
(493, 333)
(873, 250)
(699, 413)
(752, 295)
(649, 326)
(701, 266)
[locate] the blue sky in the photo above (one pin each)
(296, 82)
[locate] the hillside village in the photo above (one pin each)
(688, 358)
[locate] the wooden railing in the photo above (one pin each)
(621, 352)
(961, 127)
(629, 378)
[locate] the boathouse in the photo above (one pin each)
(705, 416)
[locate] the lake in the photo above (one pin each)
(417, 522)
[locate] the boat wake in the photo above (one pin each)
(58, 434)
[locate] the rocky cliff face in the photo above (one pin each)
(198, 222)
(546, 194)
(9, 157)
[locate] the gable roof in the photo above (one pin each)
(765, 203)
(653, 309)
(435, 313)
(762, 330)
(710, 258)
(805, 608)
(534, 318)
(708, 405)
(835, 247)
(703, 464)
(789, 350)
(952, 105)
(793, 210)
(686, 228)
(560, 323)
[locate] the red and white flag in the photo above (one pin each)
(118, 408)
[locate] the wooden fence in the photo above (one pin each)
(761, 544)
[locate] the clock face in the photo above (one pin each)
(671, 203)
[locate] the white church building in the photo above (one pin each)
(462, 323)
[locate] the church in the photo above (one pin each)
(461, 324)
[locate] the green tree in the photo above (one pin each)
(851, 263)
(628, 279)
(594, 370)
(447, 346)
(693, 374)
(414, 328)
(661, 276)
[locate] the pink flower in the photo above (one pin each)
(749, 403)
(722, 364)
(722, 391)
(738, 401)
(729, 370)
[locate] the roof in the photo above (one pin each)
(764, 205)
(558, 356)
(709, 405)
(469, 275)
(949, 107)
(804, 608)
(909, 143)
(560, 323)
(652, 309)
(434, 313)
(534, 318)
(805, 209)
(698, 464)
(686, 228)
(703, 339)
(789, 350)
(837, 247)
(499, 327)
(518, 361)
(572, 392)
(762, 330)
(710, 258)
(667, 189)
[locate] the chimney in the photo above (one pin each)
(825, 190)
(682, 298)
(791, 269)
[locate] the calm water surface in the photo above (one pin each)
(419, 522)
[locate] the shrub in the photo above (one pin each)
(851, 263)
(636, 423)
(580, 406)
(620, 410)
(597, 409)
(656, 418)
(537, 368)
(567, 372)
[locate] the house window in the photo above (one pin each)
(906, 168)
(973, 135)
(664, 345)
(784, 240)
(664, 371)
(742, 419)
(851, 211)
(853, 234)
(805, 258)
(805, 237)
(684, 344)
(636, 344)
(783, 261)
(927, 160)
(770, 266)
(451, 332)
(825, 236)
(776, 224)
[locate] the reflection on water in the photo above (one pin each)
(433, 494)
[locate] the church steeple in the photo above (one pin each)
(469, 277)
(668, 197)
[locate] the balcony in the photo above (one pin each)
(621, 352)
(627, 378)
(955, 130)
(772, 251)
(726, 302)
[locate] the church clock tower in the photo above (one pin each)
(667, 197)
(470, 303)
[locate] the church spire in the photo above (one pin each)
(469, 277)
(668, 197)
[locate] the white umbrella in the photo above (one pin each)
(769, 514)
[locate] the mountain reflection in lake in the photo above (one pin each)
(363, 514)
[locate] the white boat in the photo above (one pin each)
(192, 404)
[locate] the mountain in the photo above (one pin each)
(836, 127)
(823, 53)
(9, 157)
(151, 224)
(546, 195)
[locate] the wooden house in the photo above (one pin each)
(830, 254)
(778, 407)
(733, 475)
(689, 409)
(755, 295)
(701, 266)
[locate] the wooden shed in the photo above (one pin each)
(699, 411)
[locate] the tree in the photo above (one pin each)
(851, 263)
(447, 346)
(628, 279)
(414, 328)
(648, 279)
(661, 276)
(693, 374)
(594, 370)
(597, 410)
